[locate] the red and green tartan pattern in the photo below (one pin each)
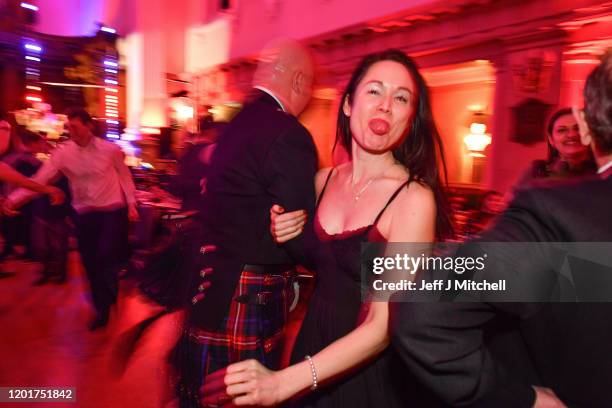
(248, 331)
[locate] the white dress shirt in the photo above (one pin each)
(269, 92)
(97, 174)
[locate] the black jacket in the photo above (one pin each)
(264, 157)
(569, 344)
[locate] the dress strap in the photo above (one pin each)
(395, 193)
(324, 187)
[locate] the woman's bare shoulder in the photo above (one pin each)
(321, 178)
(413, 215)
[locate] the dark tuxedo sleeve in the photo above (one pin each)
(442, 343)
(290, 169)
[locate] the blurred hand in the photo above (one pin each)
(244, 383)
(8, 208)
(133, 215)
(213, 390)
(56, 196)
(286, 226)
(546, 398)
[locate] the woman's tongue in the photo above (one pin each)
(379, 126)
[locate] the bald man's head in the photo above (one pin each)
(286, 69)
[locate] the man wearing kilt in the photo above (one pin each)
(264, 157)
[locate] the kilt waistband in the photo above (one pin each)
(268, 269)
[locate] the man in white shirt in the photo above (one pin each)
(103, 198)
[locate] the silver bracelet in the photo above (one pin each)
(315, 383)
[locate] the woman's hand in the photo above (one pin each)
(286, 226)
(244, 383)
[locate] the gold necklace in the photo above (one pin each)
(362, 190)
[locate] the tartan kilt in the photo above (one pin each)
(249, 330)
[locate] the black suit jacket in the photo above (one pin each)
(264, 157)
(570, 344)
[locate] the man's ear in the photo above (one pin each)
(297, 82)
(346, 107)
(583, 127)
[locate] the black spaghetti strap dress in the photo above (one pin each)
(334, 311)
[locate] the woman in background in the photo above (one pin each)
(567, 157)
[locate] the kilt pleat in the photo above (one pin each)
(249, 331)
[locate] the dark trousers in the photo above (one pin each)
(16, 231)
(103, 240)
(50, 245)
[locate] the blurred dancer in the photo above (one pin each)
(265, 156)
(569, 344)
(103, 197)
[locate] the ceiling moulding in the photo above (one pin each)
(452, 33)
(480, 71)
(411, 17)
(473, 29)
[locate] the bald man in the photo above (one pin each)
(265, 156)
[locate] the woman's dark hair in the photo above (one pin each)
(598, 104)
(421, 150)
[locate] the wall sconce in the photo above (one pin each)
(478, 139)
(183, 112)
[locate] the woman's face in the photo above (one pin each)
(382, 107)
(566, 138)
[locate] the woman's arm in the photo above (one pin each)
(9, 175)
(410, 219)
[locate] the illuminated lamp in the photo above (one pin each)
(478, 139)
(147, 130)
(31, 98)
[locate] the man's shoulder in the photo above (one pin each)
(67, 147)
(106, 146)
(267, 116)
(100, 142)
(575, 188)
(580, 207)
(264, 125)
